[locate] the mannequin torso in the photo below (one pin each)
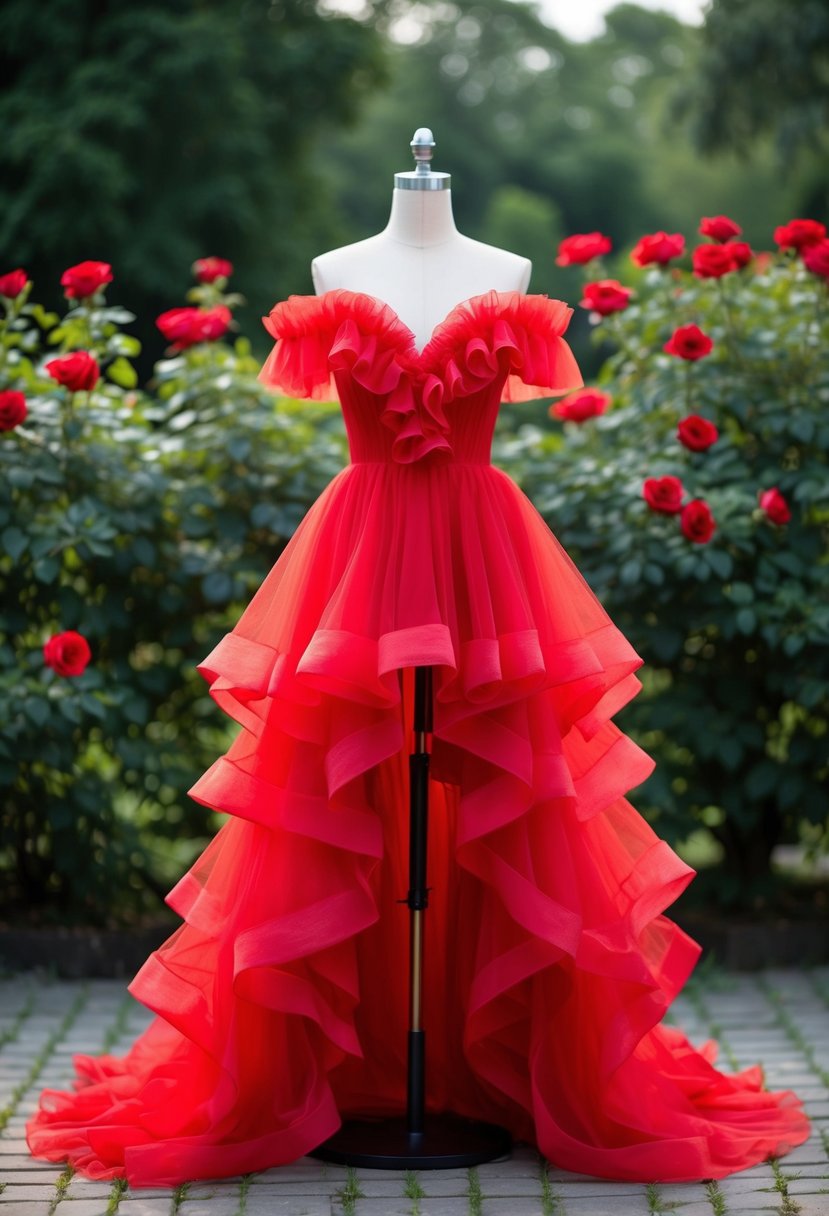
(420, 264)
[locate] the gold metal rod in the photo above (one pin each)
(416, 972)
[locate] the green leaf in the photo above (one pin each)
(70, 709)
(741, 593)
(746, 620)
(730, 752)
(630, 572)
(127, 345)
(93, 705)
(239, 447)
(122, 373)
(37, 710)
(217, 587)
(15, 542)
(143, 550)
(763, 778)
(802, 427)
(46, 569)
(720, 562)
(136, 709)
(789, 562)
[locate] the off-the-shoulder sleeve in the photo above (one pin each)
(317, 335)
(499, 332)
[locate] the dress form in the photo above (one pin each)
(422, 267)
(420, 264)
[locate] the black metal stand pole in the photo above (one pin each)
(444, 1140)
(418, 897)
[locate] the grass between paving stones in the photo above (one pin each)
(42, 1056)
(656, 1204)
(784, 1020)
(119, 1185)
(61, 1187)
(413, 1190)
(9, 1036)
(474, 1194)
(715, 1197)
(789, 1206)
(179, 1195)
(350, 1192)
(551, 1203)
(244, 1187)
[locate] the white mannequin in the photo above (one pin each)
(420, 264)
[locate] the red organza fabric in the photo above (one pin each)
(282, 998)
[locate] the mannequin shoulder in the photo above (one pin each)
(342, 267)
(504, 270)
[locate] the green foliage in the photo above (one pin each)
(148, 135)
(734, 632)
(143, 522)
(762, 70)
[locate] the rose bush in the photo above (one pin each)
(698, 509)
(690, 485)
(134, 525)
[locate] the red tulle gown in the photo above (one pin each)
(282, 998)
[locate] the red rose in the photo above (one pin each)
(689, 342)
(697, 522)
(12, 284)
(576, 250)
(83, 280)
(663, 494)
(659, 247)
(186, 326)
(775, 506)
(13, 409)
(207, 270)
(799, 234)
(719, 227)
(697, 433)
(578, 406)
(67, 653)
(605, 296)
(741, 253)
(816, 258)
(76, 371)
(214, 322)
(712, 261)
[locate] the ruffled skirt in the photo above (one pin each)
(282, 998)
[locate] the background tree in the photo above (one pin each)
(761, 77)
(148, 135)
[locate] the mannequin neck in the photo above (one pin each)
(421, 218)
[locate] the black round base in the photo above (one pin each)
(385, 1143)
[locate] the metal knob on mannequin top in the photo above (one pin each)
(417, 229)
(420, 264)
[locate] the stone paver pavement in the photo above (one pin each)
(779, 1018)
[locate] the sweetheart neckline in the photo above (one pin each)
(366, 295)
